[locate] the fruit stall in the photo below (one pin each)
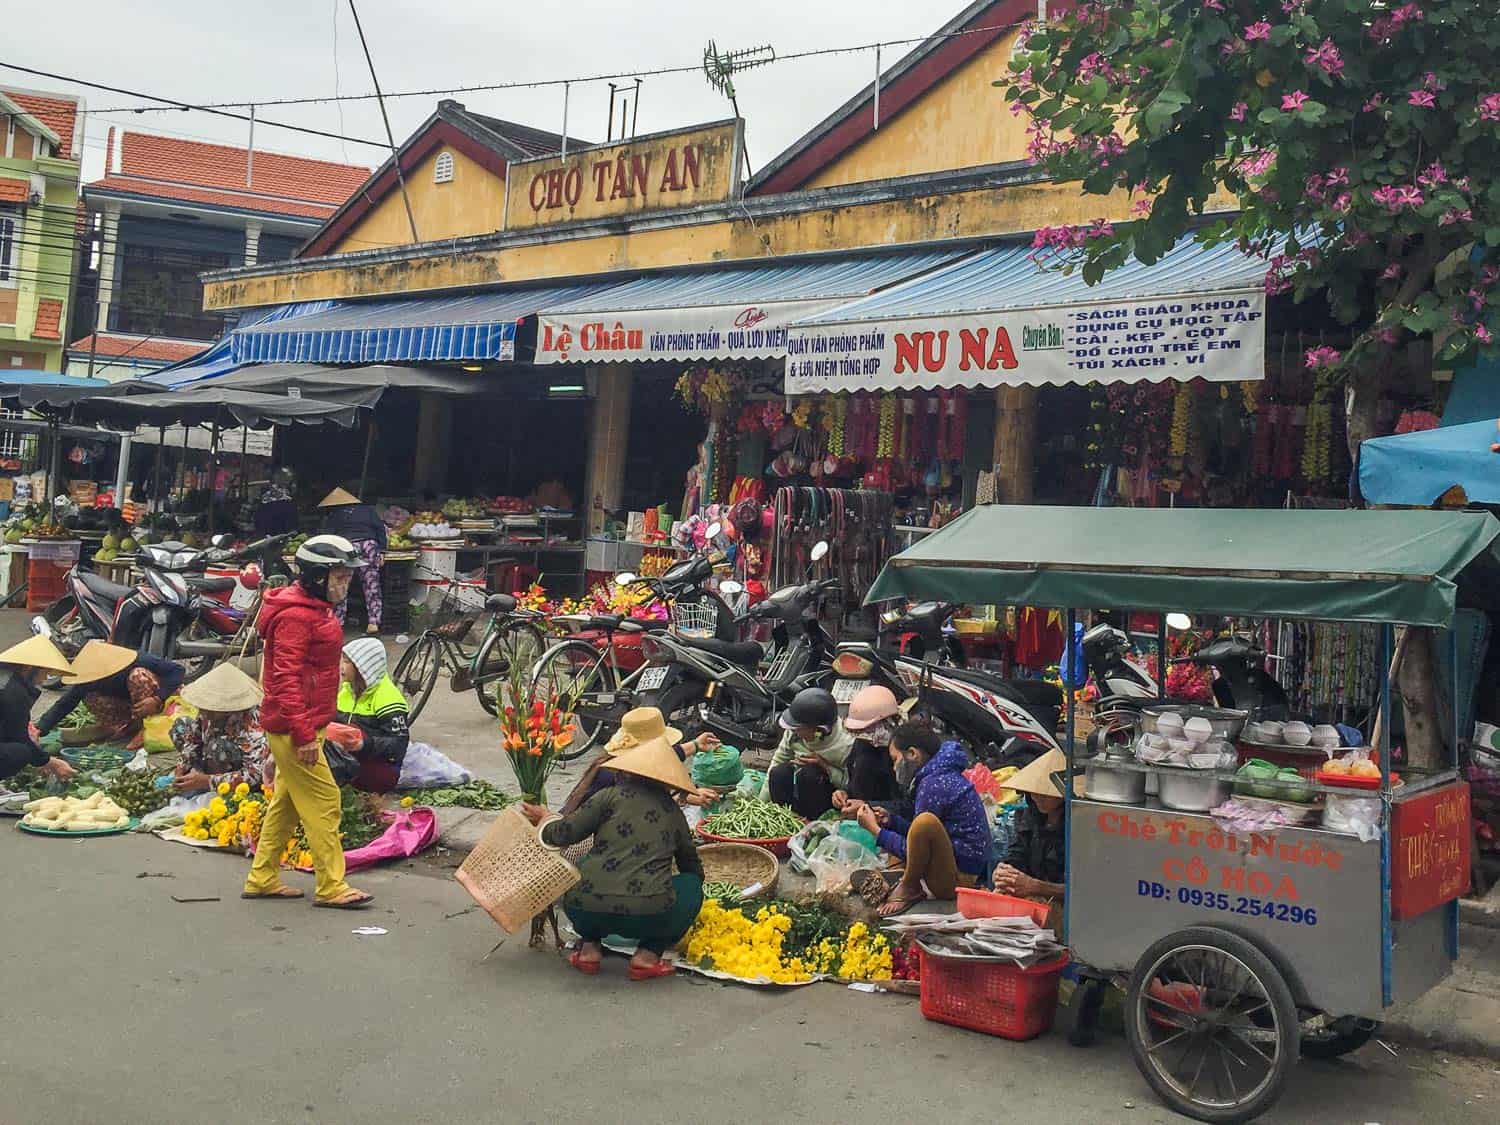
(1268, 895)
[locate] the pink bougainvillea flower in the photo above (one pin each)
(1240, 109)
(1424, 98)
(1325, 57)
(1213, 5)
(1433, 175)
(1257, 164)
(1385, 335)
(1489, 107)
(1391, 272)
(1317, 359)
(1341, 203)
(1294, 101)
(1376, 102)
(1455, 216)
(1482, 334)
(1393, 197)
(1431, 81)
(1260, 30)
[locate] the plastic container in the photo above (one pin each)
(46, 581)
(779, 846)
(990, 996)
(974, 903)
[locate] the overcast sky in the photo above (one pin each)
(198, 51)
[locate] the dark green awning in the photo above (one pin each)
(1410, 567)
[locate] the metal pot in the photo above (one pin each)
(1227, 724)
(1189, 790)
(1105, 781)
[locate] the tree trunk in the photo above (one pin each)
(1015, 444)
(1416, 684)
(1366, 390)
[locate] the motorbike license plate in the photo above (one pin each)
(846, 690)
(652, 678)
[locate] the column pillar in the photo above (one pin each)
(108, 234)
(434, 432)
(609, 434)
(1015, 444)
(252, 243)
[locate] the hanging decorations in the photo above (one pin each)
(1182, 420)
(885, 443)
(837, 418)
(1317, 442)
(802, 414)
(705, 388)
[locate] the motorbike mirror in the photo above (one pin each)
(890, 616)
(42, 627)
(1179, 622)
(222, 540)
(713, 530)
(625, 578)
(731, 587)
(819, 551)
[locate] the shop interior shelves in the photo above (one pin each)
(1413, 780)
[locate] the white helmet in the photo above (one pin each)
(328, 551)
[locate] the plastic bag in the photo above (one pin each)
(409, 832)
(427, 768)
(1358, 816)
(801, 846)
(719, 768)
(174, 812)
(751, 784)
(156, 730)
(835, 859)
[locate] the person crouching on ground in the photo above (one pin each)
(372, 708)
(223, 744)
(1034, 866)
(121, 687)
(627, 886)
(300, 675)
(22, 668)
(809, 764)
(640, 725)
(872, 719)
(946, 843)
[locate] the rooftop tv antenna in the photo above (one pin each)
(720, 67)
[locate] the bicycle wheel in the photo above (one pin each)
(514, 644)
(417, 671)
(578, 671)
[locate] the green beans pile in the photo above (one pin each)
(753, 819)
(721, 888)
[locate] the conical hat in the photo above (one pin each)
(338, 498)
(1037, 777)
(226, 688)
(98, 661)
(639, 726)
(36, 652)
(656, 760)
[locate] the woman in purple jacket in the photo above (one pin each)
(946, 842)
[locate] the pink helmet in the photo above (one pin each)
(872, 705)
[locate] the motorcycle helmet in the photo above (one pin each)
(250, 576)
(811, 707)
(317, 557)
(873, 704)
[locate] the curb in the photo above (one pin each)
(1480, 912)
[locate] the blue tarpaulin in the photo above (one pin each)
(1418, 468)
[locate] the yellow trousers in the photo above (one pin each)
(305, 793)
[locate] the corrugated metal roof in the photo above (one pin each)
(844, 276)
(477, 326)
(1007, 278)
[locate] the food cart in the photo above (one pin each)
(1241, 950)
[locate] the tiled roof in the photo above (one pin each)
(533, 142)
(194, 172)
(14, 191)
(48, 319)
(58, 114)
(137, 347)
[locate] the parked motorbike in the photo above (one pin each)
(927, 631)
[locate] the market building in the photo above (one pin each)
(40, 136)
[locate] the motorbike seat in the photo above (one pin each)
(102, 587)
(500, 603)
(1042, 699)
(606, 621)
(746, 654)
(216, 585)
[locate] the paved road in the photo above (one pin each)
(125, 1006)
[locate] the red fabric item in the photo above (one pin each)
(300, 668)
(1038, 643)
(376, 776)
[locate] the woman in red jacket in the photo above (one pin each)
(300, 675)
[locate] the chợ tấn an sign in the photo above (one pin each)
(686, 168)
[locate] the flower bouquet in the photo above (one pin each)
(232, 819)
(536, 724)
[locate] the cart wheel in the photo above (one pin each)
(1338, 1037)
(1211, 1025)
(1082, 1015)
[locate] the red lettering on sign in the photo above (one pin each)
(640, 168)
(691, 175)
(670, 180)
(1430, 842)
(601, 171)
(1004, 356)
(750, 317)
(908, 353)
(573, 186)
(974, 347)
(537, 181)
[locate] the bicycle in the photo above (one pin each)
(511, 635)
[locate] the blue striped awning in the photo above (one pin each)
(473, 327)
(219, 359)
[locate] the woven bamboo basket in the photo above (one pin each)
(744, 865)
(513, 875)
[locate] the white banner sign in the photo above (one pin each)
(1221, 338)
(715, 332)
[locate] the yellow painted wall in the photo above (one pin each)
(473, 202)
(962, 122)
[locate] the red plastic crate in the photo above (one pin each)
(997, 999)
(974, 903)
(46, 581)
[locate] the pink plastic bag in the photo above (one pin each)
(410, 831)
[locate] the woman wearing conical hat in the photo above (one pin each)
(122, 687)
(345, 514)
(224, 743)
(22, 668)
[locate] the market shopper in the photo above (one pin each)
(22, 668)
(347, 516)
(224, 743)
(627, 886)
(1034, 866)
(808, 767)
(872, 719)
(375, 713)
(120, 687)
(300, 675)
(946, 842)
(640, 726)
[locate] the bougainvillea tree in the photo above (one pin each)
(1360, 139)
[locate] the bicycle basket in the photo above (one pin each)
(698, 620)
(452, 620)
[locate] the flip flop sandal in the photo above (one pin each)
(351, 904)
(281, 893)
(587, 968)
(651, 972)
